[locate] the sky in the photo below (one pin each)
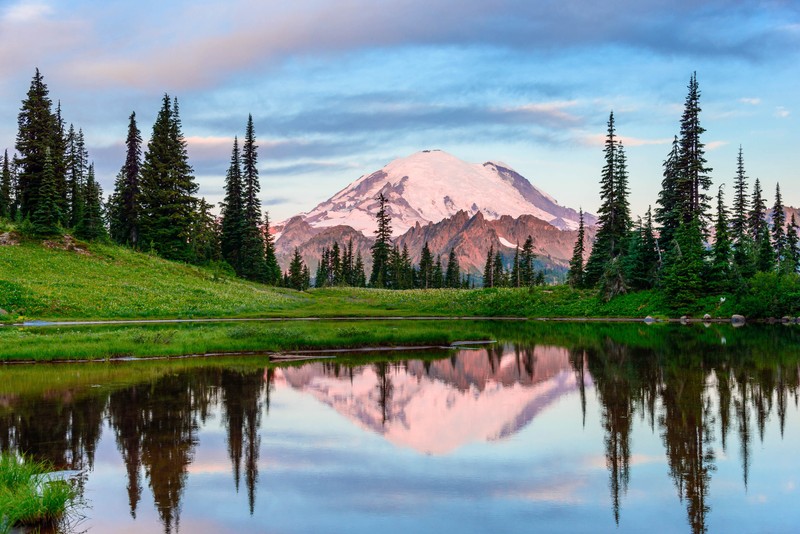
(339, 88)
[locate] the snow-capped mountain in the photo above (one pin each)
(432, 185)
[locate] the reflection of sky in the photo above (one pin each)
(320, 472)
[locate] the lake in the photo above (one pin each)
(553, 428)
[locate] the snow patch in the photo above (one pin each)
(506, 243)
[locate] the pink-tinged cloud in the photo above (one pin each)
(713, 145)
(22, 12)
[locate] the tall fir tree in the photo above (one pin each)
(642, 261)
(298, 278)
(526, 269)
(721, 253)
(91, 225)
(234, 224)
(488, 269)
(206, 234)
(791, 261)
(757, 219)
(575, 273)
(168, 188)
(668, 210)
(498, 270)
(740, 202)
(46, 219)
(124, 203)
(515, 277)
(693, 176)
(59, 155)
(253, 263)
(614, 213)
(36, 128)
(76, 174)
(778, 226)
(453, 276)
(382, 246)
(425, 277)
(684, 267)
(765, 254)
(438, 273)
(273, 270)
(6, 189)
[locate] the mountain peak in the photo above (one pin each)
(432, 185)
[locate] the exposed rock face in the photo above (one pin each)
(469, 236)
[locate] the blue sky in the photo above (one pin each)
(339, 88)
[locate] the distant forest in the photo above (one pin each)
(682, 248)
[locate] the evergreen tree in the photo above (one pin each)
(91, 225)
(206, 234)
(614, 213)
(382, 247)
(438, 273)
(272, 269)
(6, 189)
(765, 254)
(739, 224)
(36, 128)
(322, 275)
(359, 275)
(575, 273)
(425, 268)
(124, 203)
(167, 187)
(488, 269)
(778, 226)
(59, 156)
(668, 212)
(791, 261)
(297, 272)
(684, 267)
(77, 170)
(515, 278)
(453, 276)
(721, 250)
(498, 271)
(758, 212)
(233, 226)
(641, 264)
(46, 218)
(253, 265)
(693, 175)
(526, 262)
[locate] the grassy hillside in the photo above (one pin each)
(50, 281)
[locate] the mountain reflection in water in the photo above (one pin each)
(162, 417)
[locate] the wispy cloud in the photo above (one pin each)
(600, 139)
(713, 145)
(26, 12)
(750, 101)
(781, 112)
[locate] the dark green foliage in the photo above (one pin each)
(77, 169)
(271, 267)
(515, 279)
(453, 276)
(642, 261)
(438, 273)
(791, 260)
(298, 276)
(488, 269)
(167, 188)
(206, 234)
(233, 214)
(253, 259)
(46, 219)
(721, 252)
(124, 210)
(59, 154)
(771, 294)
(682, 280)
(765, 254)
(668, 211)
(37, 128)
(91, 226)
(757, 219)
(575, 273)
(499, 277)
(425, 276)
(614, 214)
(740, 202)
(526, 270)
(382, 247)
(359, 274)
(778, 226)
(693, 174)
(6, 190)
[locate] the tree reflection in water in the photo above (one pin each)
(683, 388)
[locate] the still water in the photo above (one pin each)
(554, 428)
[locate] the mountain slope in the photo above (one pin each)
(433, 185)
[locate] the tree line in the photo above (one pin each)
(667, 250)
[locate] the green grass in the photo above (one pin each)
(113, 282)
(27, 497)
(47, 344)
